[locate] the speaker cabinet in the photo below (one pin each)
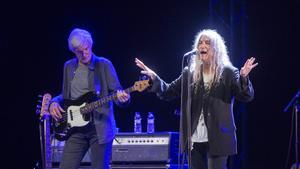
(57, 150)
(159, 148)
(137, 166)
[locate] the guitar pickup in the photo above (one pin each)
(71, 115)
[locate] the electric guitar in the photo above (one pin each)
(78, 111)
(45, 121)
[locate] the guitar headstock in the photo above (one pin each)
(141, 85)
(43, 109)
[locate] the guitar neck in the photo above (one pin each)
(96, 104)
(47, 139)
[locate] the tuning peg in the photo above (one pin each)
(38, 106)
(40, 96)
(38, 111)
(39, 101)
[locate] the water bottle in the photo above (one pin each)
(137, 122)
(150, 123)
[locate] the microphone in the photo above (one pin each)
(192, 52)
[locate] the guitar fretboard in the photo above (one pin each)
(94, 105)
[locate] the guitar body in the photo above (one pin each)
(73, 119)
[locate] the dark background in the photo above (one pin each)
(33, 41)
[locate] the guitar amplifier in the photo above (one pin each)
(161, 147)
(144, 148)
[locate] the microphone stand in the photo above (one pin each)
(295, 103)
(188, 109)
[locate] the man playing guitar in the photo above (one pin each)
(87, 73)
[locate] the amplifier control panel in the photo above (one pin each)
(141, 140)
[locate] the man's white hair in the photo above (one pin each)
(79, 37)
